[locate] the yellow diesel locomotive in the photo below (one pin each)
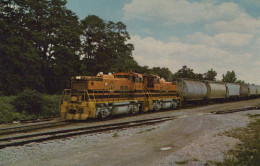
(120, 93)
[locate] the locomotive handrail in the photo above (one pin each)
(87, 94)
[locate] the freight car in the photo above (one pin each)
(115, 94)
(216, 90)
(233, 91)
(191, 90)
(244, 91)
(252, 91)
(258, 90)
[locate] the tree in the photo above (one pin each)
(55, 32)
(240, 82)
(229, 77)
(105, 46)
(19, 62)
(39, 45)
(185, 72)
(210, 75)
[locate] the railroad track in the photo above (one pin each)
(34, 127)
(45, 136)
(235, 110)
(9, 141)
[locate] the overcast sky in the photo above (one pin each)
(202, 34)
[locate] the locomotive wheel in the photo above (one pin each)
(134, 109)
(103, 114)
(174, 104)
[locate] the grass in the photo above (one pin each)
(115, 135)
(140, 132)
(181, 162)
(248, 151)
(9, 114)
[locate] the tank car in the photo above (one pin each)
(233, 91)
(244, 91)
(258, 90)
(252, 91)
(216, 90)
(192, 90)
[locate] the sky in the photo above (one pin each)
(220, 34)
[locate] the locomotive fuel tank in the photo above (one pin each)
(233, 90)
(244, 90)
(216, 90)
(192, 90)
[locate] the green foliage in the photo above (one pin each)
(248, 152)
(7, 111)
(186, 72)
(115, 135)
(50, 107)
(241, 82)
(29, 101)
(181, 162)
(229, 77)
(105, 46)
(39, 45)
(210, 75)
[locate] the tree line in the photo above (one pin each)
(43, 44)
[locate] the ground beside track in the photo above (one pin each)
(191, 139)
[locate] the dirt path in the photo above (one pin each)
(191, 139)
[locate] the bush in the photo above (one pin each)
(29, 101)
(28, 105)
(50, 106)
(7, 111)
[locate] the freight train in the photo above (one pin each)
(120, 93)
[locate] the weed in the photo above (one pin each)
(248, 151)
(140, 132)
(181, 162)
(115, 135)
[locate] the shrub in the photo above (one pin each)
(50, 106)
(29, 101)
(7, 111)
